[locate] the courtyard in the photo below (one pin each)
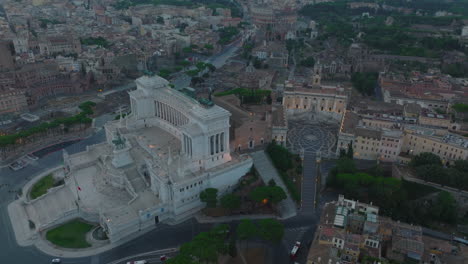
(307, 133)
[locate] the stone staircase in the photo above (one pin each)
(135, 179)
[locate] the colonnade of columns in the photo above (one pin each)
(217, 143)
(170, 114)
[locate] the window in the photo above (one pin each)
(222, 141)
(212, 144)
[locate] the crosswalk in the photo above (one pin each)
(291, 235)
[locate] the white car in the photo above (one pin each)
(138, 262)
(56, 261)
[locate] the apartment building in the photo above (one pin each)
(449, 147)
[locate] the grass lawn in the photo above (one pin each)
(41, 187)
(70, 235)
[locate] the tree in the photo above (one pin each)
(211, 67)
(230, 201)
(257, 63)
(271, 230)
(277, 194)
(259, 194)
(268, 194)
(308, 62)
(210, 197)
(425, 158)
(445, 208)
(432, 172)
(160, 20)
(345, 165)
(365, 82)
(204, 248)
(246, 230)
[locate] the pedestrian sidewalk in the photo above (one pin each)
(267, 171)
(201, 218)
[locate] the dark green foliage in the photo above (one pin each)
(164, 73)
(246, 230)
(308, 62)
(425, 158)
(184, 63)
(445, 208)
(100, 41)
(230, 201)
(247, 50)
(282, 160)
(210, 197)
(81, 118)
(428, 167)
(272, 194)
(271, 230)
(160, 20)
(271, 182)
(257, 63)
(227, 34)
(232, 248)
(192, 73)
(211, 67)
(365, 82)
(205, 247)
(187, 50)
(402, 200)
(44, 22)
(457, 70)
(70, 235)
(416, 190)
(280, 156)
(462, 108)
(336, 21)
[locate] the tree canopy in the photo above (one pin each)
(365, 82)
(204, 248)
(230, 201)
(268, 194)
(210, 197)
(271, 230)
(425, 158)
(246, 230)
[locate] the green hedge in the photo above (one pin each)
(295, 194)
(282, 160)
(82, 117)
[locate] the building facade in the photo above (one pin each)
(169, 149)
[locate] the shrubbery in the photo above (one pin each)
(283, 161)
(82, 117)
(396, 198)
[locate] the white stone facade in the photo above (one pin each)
(169, 149)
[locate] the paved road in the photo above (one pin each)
(309, 183)
(11, 182)
(182, 80)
